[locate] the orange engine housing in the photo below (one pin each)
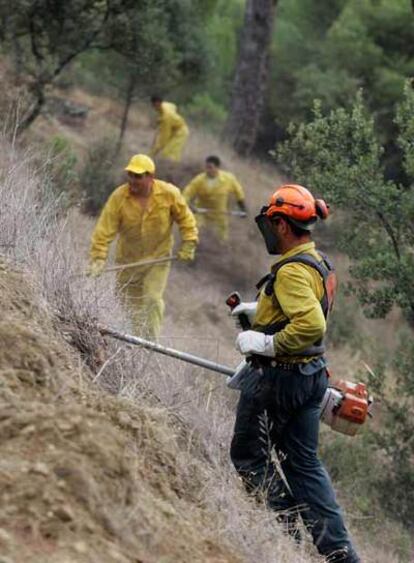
(354, 406)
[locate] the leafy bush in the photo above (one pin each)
(97, 178)
(339, 156)
(396, 436)
(342, 324)
(205, 111)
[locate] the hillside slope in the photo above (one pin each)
(100, 461)
(181, 416)
(85, 476)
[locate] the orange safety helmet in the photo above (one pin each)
(298, 205)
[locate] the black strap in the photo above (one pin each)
(324, 267)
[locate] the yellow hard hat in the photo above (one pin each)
(141, 163)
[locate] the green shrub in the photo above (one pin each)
(342, 323)
(339, 156)
(396, 436)
(205, 111)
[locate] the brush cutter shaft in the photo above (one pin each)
(344, 407)
(184, 356)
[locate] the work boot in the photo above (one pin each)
(344, 555)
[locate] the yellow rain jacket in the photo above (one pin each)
(143, 234)
(298, 290)
(214, 194)
(172, 133)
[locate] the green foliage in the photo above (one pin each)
(366, 492)
(222, 31)
(343, 328)
(395, 438)
(205, 111)
(405, 122)
(161, 42)
(48, 34)
(339, 156)
(97, 178)
(44, 36)
(156, 47)
(142, 36)
(330, 51)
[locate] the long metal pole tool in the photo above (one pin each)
(234, 213)
(140, 264)
(151, 262)
(166, 351)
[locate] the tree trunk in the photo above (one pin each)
(35, 110)
(132, 80)
(250, 80)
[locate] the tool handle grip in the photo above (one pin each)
(232, 301)
(244, 321)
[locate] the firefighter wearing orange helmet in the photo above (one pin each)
(284, 376)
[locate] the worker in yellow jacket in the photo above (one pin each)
(172, 133)
(209, 194)
(142, 213)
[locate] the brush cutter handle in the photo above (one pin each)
(232, 301)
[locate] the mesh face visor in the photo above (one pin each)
(265, 226)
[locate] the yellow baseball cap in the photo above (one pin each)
(141, 163)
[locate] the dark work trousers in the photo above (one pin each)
(280, 408)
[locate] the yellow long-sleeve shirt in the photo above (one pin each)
(298, 290)
(213, 193)
(143, 232)
(170, 124)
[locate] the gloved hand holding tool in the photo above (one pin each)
(252, 342)
(241, 310)
(247, 309)
(96, 268)
(243, 209)
(249, 341)
(187, 250)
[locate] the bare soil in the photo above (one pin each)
(84, 476)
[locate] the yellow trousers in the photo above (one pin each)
(174, 146)
(142, 293)
(218, 223)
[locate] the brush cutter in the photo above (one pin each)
(345, 406)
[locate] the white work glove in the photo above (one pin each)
(253, 342)
(248, 309)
